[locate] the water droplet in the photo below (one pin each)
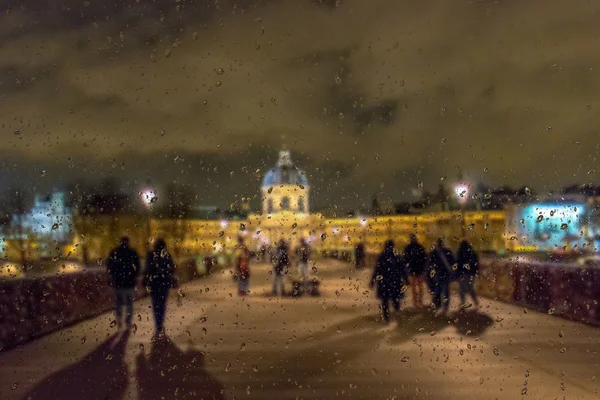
(220, 71)
(540, 218)
(323, 236)
(83, 340)
(242, 346)
(141, 346)
(564, 226)
(228, 367)
(113, 323)
(551, 311)
(255, 368)
(218, 84)
(496, 352)
(17, 132)
(14, 386)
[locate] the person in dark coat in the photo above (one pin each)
(359, 255)
(415, 259)
(389, 278)
(441, 271)
(468, 268)
(123, 265)
(159, 279)
(242, 263)
(281, 264)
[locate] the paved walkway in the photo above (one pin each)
(224, 347)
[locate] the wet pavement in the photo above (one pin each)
(221, 346)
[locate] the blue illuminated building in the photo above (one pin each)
(550, 226)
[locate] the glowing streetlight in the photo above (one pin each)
(462, 192)
(148, 197)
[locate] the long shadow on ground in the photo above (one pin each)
(170, 373)
(101, 375)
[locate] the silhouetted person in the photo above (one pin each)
(468, 267)
(242, 263)
(415, 259)
(123, 266)
(281, 263)
(159, 279)
(359, 255)
(303, 251)
(389, 277)
(441, 261)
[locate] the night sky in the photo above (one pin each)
(371, 96)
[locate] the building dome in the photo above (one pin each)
(285, 173)
(285, 188)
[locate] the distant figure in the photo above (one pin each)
(359, 255)
(303, 252)
(123, 266)
(468, 268)
(281, 263)
(415, 258)
(441, 261)
(242, 263)
(159, 279)
(389, 278)
(263, 252)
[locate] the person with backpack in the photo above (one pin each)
(123, 265)
(415, 259)
(243, 267)
(389, 278)
(468, 268)
(159, 279)
(281, 263)
(441, 269)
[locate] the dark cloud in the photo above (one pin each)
(372, 97)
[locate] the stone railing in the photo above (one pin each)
(561, 289)
(567, 290)
(33, 307)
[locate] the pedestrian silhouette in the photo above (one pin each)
(468, 268)
(441, 271)
(415, 259)
(242, 267)
(281, 263)
(159, 279)
(389, 278)
(359, 255)
(123, 265)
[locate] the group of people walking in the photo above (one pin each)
(280, 259)
(394, 273)
(124, 269)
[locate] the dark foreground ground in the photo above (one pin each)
(224, 347)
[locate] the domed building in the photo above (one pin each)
(285, 188)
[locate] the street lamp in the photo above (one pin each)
(462, 195)
(148, 197)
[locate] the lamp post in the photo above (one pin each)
(148, 197)
(462, 195)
